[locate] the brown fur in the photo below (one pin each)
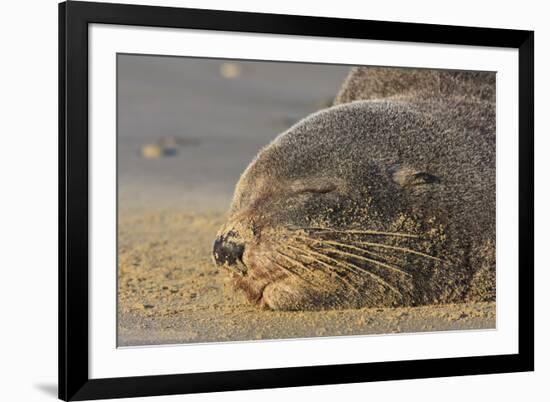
(385, 199)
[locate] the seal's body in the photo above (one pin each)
(385, 199)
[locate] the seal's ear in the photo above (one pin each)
(409, 177)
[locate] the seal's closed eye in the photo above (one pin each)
(424, 178)
(408, 177)
(313, 187)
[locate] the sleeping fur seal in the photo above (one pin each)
(386, 198)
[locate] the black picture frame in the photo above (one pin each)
(74, 381)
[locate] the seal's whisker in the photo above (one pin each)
(381, 245)
(310, 254)
(289, 271)
(293, 260)
(359, 232)
(404, 250)
(352, 267)
(331, 268)
(360, 257)
(387, 258)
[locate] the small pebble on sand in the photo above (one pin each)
(151, 151)
(230, 70)
(154, 151)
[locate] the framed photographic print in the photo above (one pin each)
(257, 200)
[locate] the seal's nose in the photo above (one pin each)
(227, 250)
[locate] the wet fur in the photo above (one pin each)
(385, 199)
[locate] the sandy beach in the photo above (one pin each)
(214, 119)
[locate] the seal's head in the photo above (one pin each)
(356, 205)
